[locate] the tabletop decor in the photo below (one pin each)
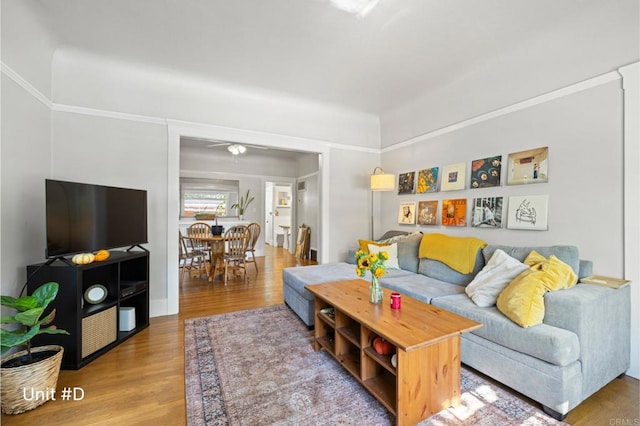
(373, 262)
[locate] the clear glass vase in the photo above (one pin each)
(376, 293)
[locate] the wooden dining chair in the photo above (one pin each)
(196, 246)
(254, 228)
(236, 240)
(189, 261)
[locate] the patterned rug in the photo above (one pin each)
(258, 367)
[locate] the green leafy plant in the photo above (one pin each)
(29, 310)
(244, 202)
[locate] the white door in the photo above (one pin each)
(268, 213)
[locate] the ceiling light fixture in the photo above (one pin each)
(237, 149)
(360, 8)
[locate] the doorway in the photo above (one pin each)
(278, 214)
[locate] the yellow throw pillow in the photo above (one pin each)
(557, 274)
(522, 301)
(364, 244)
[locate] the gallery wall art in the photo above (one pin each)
(531, 166)
(428, 213)
(454, 212)
(486, 172)
(453, 177)
(407, 213)
(528, 212)
(406, 183)
(487, 212)
(428, 180)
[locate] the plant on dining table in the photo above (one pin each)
(243, 203)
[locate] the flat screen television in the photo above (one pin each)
(84, 218)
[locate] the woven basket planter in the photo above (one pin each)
(29, 386)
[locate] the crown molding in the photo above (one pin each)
(528, 103)
(30, 88)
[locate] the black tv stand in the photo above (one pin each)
(95, 328)
(60, 258)
(139, 246)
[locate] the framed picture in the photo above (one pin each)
(407, 213)
(486, 172)
(428, 180)
(453, 177)
(406, 183)
(528, 212)
(454, 212)
(428, 213)
(531, 166)
(487, 212)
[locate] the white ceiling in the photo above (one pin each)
(308, 48)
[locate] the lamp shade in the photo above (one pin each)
(383, 182)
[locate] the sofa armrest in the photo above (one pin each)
(586, 268)
(601, 317)
(351, 257)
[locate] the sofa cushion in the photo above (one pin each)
(522, 301)
(556, 275)
(499, 271)
(568, 254)
(438, 270)
(392, 254)
(391, 234)
(418, 286)
(408, 252)
(299, 276)
(545, 342)
(364, 244)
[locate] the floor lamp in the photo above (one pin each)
(380, 181)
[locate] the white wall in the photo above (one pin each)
(25, 141)
(121, 153)
(583, 129)
(25, 163)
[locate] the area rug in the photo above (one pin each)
(258, 367)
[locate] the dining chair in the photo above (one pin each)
(195, 245)
(236, 240)
(254, 228)
(189, 261)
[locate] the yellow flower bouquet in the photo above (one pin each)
(373, 262)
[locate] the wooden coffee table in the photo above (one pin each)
(427, 340)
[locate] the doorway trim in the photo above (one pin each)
(177, 129)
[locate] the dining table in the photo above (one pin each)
(216, 251)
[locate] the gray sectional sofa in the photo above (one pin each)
(582, 344)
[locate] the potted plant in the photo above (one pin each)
(29, 376)
(242, 205)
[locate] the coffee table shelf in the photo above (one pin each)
(427, 341)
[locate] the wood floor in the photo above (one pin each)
(142, 380)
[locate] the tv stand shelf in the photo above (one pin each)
(94, 328)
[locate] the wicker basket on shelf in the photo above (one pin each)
(29, 386)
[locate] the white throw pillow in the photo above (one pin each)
(493, 278)
(392, 251)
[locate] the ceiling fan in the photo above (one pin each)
(236, 148)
